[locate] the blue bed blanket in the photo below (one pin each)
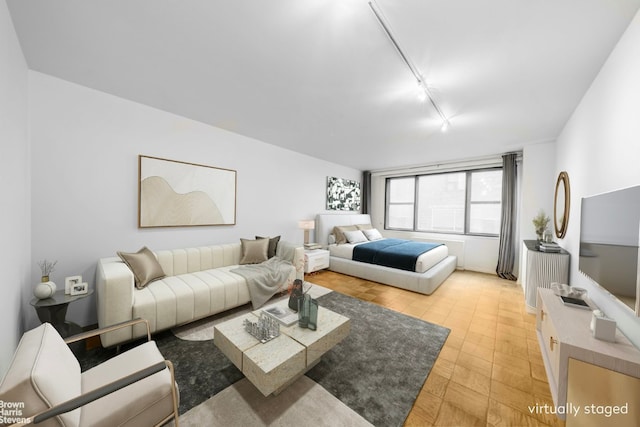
(394, 253)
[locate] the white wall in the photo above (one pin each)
(85, 147)
(600, 149)
(14, 187)
(538, 186)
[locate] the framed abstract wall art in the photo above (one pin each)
(180, 194)
(343, 194)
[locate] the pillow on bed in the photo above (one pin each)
(355, 236)
(339, 232)
(372, 234)
(364, 226)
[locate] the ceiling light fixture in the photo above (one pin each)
(416, 73)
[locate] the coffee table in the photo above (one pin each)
(274, 365)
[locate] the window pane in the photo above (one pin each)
(484, 218)
(441, 202)
(401, 190)
(400, 216)
(486, 186)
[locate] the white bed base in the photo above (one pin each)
(424, 283)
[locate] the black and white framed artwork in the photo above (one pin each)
(343, 194)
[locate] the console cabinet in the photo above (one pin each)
(564, 334)
(540, 269)
(602, 397)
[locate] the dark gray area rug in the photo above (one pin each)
(377, 371)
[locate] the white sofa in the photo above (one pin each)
(198, 283)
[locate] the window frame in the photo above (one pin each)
(467, 205)
(387, 203)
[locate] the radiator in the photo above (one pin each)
(540, 269)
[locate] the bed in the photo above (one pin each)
(431, 267)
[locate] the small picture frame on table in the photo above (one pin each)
(80, 288)
(71, 281)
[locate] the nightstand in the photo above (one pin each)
(315, 259)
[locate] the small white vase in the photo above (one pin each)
(44, 290)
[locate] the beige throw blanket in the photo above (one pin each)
(264, 279)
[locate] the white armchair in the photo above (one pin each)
(46, 387)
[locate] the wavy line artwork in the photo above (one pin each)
(174, 194)
(162, 205)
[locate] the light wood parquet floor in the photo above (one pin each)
(490, 369)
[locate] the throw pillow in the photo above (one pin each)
(364, 226)
(273, 245)
(144, 266)
(254, 251)
(339, 230)
(355, 236)
(372, 234)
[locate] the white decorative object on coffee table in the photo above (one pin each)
(273, 365)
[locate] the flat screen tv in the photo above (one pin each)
(609, 242)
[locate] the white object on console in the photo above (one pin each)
(602, 327)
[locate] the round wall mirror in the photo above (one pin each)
(561, 205)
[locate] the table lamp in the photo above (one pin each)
(306, 225)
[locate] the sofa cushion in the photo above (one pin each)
(43, 373)
(179, 299)
(144, 265)
(254, 251)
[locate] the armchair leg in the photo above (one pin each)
(174, 394)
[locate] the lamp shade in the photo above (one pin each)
(307, 224)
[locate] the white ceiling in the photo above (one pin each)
(320, 77)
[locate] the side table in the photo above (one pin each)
(54, 311)
(315, 260)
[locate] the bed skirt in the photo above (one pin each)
(424, 283)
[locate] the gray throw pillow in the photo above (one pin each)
(144, 266)
(254, 251)
(273, 245)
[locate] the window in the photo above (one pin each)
(400, 197)
(467, 202)
(441, 200)
(485, 202)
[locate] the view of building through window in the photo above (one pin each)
(467, 202)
